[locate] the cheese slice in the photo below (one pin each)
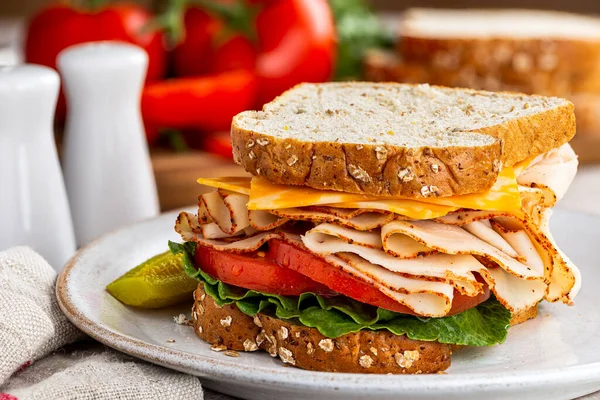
(503, 196)
(237, 184)
(552, 171)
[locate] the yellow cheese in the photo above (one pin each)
(237, 184)
(503, 196)
(409, 208)
(521, 165)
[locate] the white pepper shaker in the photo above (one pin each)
(107, 167)
(33, 202)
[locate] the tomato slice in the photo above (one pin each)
(286, 269)
(297, 259)
(255, 272)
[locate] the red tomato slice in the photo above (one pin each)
(255, 272)
(297, 259)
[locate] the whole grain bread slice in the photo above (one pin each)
(396, 139)
(376, 352)
(387, 66)
(503, 41)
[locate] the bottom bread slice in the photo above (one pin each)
(378, 352)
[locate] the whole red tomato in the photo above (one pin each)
(208, 48)
(290, 41)
(55, 28)
(297, 44)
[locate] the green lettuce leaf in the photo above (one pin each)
(485, 325)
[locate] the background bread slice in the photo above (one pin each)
(396, 140)
(387, 66)
(587, 111)
(504, 42)
(377, 352)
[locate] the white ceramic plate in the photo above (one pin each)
(555, 356)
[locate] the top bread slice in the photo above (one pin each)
(396, 139)
(503, 42)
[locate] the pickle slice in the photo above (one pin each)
(158, 282)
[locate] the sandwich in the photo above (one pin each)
(383, 227)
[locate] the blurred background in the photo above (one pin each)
(26, 7)
(210, 59)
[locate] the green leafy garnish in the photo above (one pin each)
(485, 325)
(358, 30)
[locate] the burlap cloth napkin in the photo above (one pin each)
(34, 364)
(43, 356)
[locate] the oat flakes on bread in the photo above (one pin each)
(396, 139)
(378, 352)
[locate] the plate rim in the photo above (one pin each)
(313, 380)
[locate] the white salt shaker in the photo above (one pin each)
(33, 202)
(107, 167)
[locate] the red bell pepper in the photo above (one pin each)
(285, 42)
(204, 102)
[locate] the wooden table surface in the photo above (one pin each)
(176, 175)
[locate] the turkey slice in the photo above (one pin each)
(522, 244)
(203, 215)
(228, 210)
(484, 231)
(362, 221)
(212, 231)
(466, 216)
(552, 171)
(404, 207)
(450, 239)
(562, 275)
(345, 213)
(428, 299)
(264, 221)
(402, 246)
(455, 270)
(514, 293)
(185, 222)
(566, 277)
(535, 200)
(350, 236)
(452, 269)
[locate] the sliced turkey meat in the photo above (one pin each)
(552, 171)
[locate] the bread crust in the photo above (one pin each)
(524, 315)
(386, 66)
(571, 65)
(587, 111)
(376, 352)
(226, 325)
(401, 172)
